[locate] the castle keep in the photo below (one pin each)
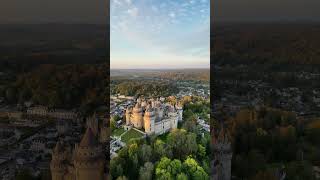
(153, 116)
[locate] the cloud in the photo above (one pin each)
(176, 34)
(172, 15)
(128, 2)
(154, 8)
(133, 12)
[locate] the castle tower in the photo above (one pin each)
(137, 116)
(57, 166)
(179, 108)
(128, 116)
(149, 120)
(144, 104)
(89, 159)
(93, 124)
(223, 155)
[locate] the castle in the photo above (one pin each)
(153, 116)
(85, 162)
(221, 164)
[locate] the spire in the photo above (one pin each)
(59, 146)
(88, 140)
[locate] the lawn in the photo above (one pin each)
(118, 132)
(131, 134)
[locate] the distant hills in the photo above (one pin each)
(173, 74)
(53, 43)
(248, 43)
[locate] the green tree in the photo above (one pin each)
(182, 176)
(182, 143)
(159, 149)
(201, 151)
(145, 153)
(146, 172)
(167, 168)
(194, 171)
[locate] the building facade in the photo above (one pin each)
(85, 162)
(153, 116)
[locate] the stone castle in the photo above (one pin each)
(153, 116)
(221, 164)
(85, 162)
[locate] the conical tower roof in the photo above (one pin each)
(59, 147)
(88, 140)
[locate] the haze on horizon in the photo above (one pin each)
(157, 34)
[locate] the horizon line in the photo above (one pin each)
(207, 68)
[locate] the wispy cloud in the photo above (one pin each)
(165, 29)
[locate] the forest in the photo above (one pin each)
(60, 86)
(180, 154)
(270, 45)
(268, 140)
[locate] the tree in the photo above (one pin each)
(112, 124)
(299, 170)
(190, 126)
(265, 175)
(145, 153)
(194, 171)
(11, 95)
(146, 172)
(167, 168)
(201, 151)
(159, 149)
(25, 175)
(182, 143)
(116, 168)
(182, 176)
(122, 178)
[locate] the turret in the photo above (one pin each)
(93, 124)
(137, 116)
(89, 159)
(128, 116)
(149, 120)
(57, 166)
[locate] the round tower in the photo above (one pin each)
(128, 116)
(149, 120)
(89, 159)
(137, 116)
(57, 166)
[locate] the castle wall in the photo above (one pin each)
(162, 126)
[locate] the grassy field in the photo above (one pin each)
(131, 134)
(118, 132)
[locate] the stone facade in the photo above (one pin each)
(153, 116)
(85, 162)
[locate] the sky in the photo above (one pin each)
(159, 34)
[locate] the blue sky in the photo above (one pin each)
(160, 34)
